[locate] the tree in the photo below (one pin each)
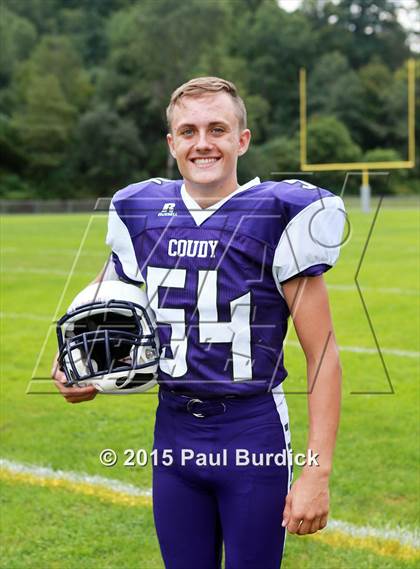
(108, 151)
(155, 46)
(49, 89)
(376, 80)
(44, 124)
(277, 43)
(41, 13)
(335, 89)
(56, 56)
(11, 155)
(269, 160)
(86, 22)
(386, 184)
(18, 37)
(329, 141)
(360, 29)
(396, 108)
(72, 72)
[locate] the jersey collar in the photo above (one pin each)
(199, 214)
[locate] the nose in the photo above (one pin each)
(202, 144)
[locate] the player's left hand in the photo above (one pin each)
(307, 504)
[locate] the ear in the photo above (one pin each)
(244, 140)
(170, 141)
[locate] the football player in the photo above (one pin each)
(224, 266)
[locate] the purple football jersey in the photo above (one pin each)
(214, 276)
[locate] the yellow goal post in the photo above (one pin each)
(361, 167)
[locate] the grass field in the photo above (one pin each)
(376, 478)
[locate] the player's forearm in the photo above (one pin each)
(324, 397)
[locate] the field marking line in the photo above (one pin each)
(371, 351)
(109, 489)
(400, 543)
(51, 272)
(17, 315)
(56, 252)
(379, 546)
(393, 290)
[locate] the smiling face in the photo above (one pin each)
(206, 142)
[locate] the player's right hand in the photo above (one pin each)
(72, 394)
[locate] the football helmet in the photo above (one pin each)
(108, 339)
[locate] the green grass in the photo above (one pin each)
(68, 531)
(375, 480)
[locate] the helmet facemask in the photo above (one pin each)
(112, 345)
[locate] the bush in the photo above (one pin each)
(13, 187)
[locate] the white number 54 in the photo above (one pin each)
(236, 332)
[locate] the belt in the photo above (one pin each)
(201, 406)
(193, 405)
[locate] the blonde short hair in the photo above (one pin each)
(203, 85)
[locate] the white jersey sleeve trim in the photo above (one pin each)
(312, 237)
(119, 239)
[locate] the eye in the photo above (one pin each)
(187, 132)
(218, 130)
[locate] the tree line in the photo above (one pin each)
(84, 86)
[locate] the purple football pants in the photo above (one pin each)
(214, 492)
